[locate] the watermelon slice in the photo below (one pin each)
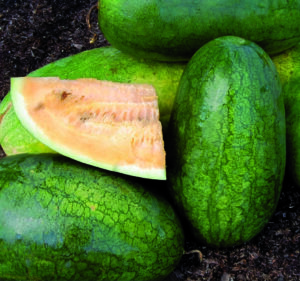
(111, 125)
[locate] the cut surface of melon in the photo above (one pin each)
(110, 125)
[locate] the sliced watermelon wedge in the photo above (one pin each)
(110, 125)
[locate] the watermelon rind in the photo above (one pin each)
(14, 138)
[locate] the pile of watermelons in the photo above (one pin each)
(229, 119)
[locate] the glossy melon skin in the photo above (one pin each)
(176, 29)
(62, 220)
(288, 67)
(105, 63)
(226, 153)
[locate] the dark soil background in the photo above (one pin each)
(34, 33)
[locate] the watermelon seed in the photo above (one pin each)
(86, 116)
(39, 106)
(64, 95)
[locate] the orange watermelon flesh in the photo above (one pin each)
(110, 125)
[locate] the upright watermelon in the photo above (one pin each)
(176, 29)
(288, 67)
(62, 220)
(226, 153)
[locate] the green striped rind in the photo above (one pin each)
(226, 153)
(105, 63)
(62, 220)
(288, 67)
(175, 29)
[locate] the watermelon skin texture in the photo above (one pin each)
(105, 63)
(176, 29)
(226, 145)
(288, 67)
(62, 220)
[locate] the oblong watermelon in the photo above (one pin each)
(63, 220)
(106, 124)
(226, 154)
(176, 29)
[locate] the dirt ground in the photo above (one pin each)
(34, 33)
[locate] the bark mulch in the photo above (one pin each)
(35, 33)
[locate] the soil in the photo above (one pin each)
(36, 32)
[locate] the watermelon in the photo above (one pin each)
(227, 143)
(110, 125)
(63, 220)
(105, 63)
(288, 67)
(173, 30)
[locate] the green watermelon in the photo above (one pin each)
(226, 153)
(63, 220)
(288, 67)
(175, 29)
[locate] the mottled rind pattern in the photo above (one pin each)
(176, 29)
(288, 67)
(62, 220)
(226, 156)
